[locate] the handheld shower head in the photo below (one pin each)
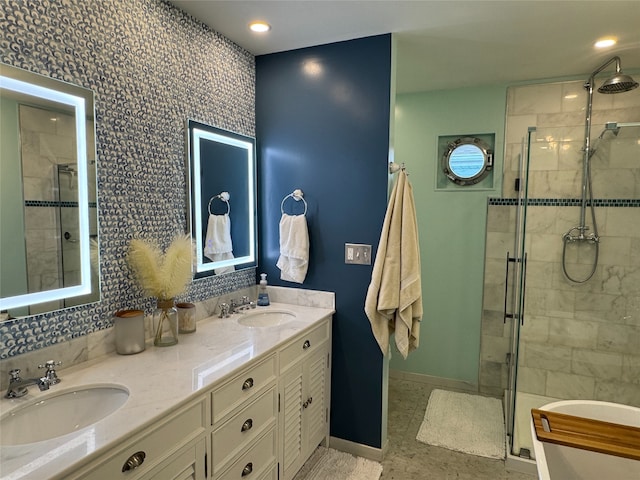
(618, 83)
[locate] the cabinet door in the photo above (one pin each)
(315, 414)
(291, 421)
(303, 390)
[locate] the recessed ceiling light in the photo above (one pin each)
(605, 42)
(259, 27)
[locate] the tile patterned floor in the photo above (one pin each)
(408, 459)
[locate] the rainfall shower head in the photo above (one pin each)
(618, 83)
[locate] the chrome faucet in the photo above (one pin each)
(224, 310)
(51, 374)
(235, 306)
(244, 304)
(18, 386)
(232, 306)
(247, 306)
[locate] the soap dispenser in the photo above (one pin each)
(263, 296)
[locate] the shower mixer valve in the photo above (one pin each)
(569, 237)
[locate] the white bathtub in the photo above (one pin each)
(558, 462)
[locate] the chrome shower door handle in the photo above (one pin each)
(524, 287)
(506, 288)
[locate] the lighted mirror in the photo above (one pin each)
(48, 218)
(222, 198)
(467, 160)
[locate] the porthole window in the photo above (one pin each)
(467, 160)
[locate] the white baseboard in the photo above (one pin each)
(359, 449)
(522, 465)
(432, 380)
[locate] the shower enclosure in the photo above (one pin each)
(561, 315)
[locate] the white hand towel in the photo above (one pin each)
(294, 248)
(217, 244)
(394, 297)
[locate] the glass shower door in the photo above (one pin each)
(575, 340)
(515, 285)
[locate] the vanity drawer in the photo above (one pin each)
(156, 445)
(304, 345)
(248, 424)
(241, 388)
(258, 461)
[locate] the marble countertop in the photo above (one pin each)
(158, 380)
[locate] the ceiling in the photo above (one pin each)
(444, 44)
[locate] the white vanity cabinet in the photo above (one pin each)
(304, 384)
(261, 417)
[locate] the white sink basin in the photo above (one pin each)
(270, 318)
(58, 414)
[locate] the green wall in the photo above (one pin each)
(451, 226)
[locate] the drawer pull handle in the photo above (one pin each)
(308, 402)
(248, 468)
(306, 344)
(134, 461)
(247, 425)
(248, 383)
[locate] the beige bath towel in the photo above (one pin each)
(394, 297)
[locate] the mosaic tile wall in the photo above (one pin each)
(151, 67)
(578, 340)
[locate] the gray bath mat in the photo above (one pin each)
(465, 423)
(330, 464)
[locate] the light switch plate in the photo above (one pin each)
(357, 253)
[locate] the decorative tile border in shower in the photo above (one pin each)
(51, 203)
(567, 202)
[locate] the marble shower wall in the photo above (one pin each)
(578, 340)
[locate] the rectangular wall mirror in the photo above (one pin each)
(48, 214)
(222, 198)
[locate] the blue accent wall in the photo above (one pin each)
(322, 124)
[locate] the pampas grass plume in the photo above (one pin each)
(162, 276)
(175, 271)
